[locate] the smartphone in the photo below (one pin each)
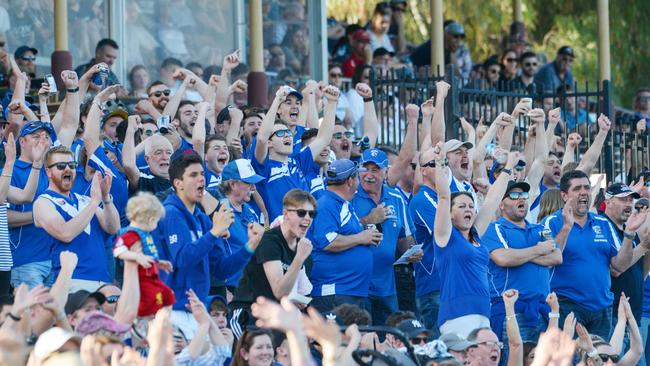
(163, 124)
(50, 81)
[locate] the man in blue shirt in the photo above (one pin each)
(582, 282)
(457, 152)
(342, 255)
(216, 157)
(315, 172)
(274, 157)
(76, 222)
(382, 206)
(519, 259)
(557, 73)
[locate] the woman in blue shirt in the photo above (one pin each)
(461, 259)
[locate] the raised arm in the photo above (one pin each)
(198, 131)
(425, 132)
(127, 305)
(438, 126)
(69, 109)
(633, 355)
(86, 78)
(282, 281)
(521, 109)
(175, 100)
(590, 158)
(495, 194)
(536, 171)
(236, 116)
(26, 195)
(326, 129)
(370, 120)
(442, 222)
(229, 63)
(408, 149)
(502, 120)
(515, 343)
(91, 136)
(553, 120)
(573, 141)
(128, 153)
(264, 133)
(108, 217)
(43, 97)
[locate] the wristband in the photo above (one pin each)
(631, 236)
(72, 90)
(366, 100)
(39, 168)
(14, 317)
(109, 200)
(554, 315)
(507, 171)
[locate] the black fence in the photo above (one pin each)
(625, 152)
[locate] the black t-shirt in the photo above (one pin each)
(253, 282)
(152, 183)
(630, 282)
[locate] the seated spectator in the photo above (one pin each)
(361, 52)
(379, 26)
(139, 80)
(557, 73)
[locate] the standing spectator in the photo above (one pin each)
(341, 244)
(277, 268)
(519, 259)
(528, 63)
(382, 58)
(105, 52)
(456, 53)
(379, 26)
(361, 52)
(557, 73)
(278, 59)
(396, 30)
(379, 205)
(139, 80)
(335, 77)
(642, 105)
(509, 62)
(343, 47)
(582, 282)
(492, 72)
(77, 222)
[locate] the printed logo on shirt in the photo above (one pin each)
(173, 239)
(599, 235)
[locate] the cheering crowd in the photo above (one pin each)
(172, 224)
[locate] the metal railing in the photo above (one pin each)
(625, 152)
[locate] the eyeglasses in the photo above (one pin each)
(62, 165)
(419, 340)
(27, 58)
(518, 195)
(158, 93)
(112, 299)
(605, 357)
(339, 135)
(529, 64)
(335, 75)
(282, 133)
(301, 212)
(490, 344)
(511, 60)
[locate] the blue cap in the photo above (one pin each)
(31, 127)
(295, 93)
(242, 170)
(376, 156)
(341, 169)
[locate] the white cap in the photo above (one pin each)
(52, 340)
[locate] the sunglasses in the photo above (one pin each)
(605, 357)
(62, 165)
(511, 60)
(528, 64)
(28, 58)
(640, 208)
(518, 195)
(301, 213)
(335, 75)
(339, 135)
(432, 163)
(158, 93)
(419, 340)
(282, 133)
(112, 299)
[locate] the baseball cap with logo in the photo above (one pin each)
(375, 156)
(241, 170)
(620, 190)
(412, 328)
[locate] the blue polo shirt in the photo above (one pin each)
(423, 208)
(338, 273)
(646, 298)
(530, 279)
(239, 236)
(463, 270)
(29, 244)
(395, 227)
(316, 181)
(280, 178)
(583, 277)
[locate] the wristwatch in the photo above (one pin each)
(507, 171)
(630, 236)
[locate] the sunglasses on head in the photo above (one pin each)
(62, 165)
(112, 299)
(282, 133)
(301, 213)
(339, 135)
(605, 357)
(518, 195)
(158, 93)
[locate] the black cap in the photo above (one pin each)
(566, 50)
(525, 187)
(620, 190)
(224, 115)
(77, 299)
(22, 49)
(412, 327)
(381, 51)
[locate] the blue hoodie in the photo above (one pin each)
(184, 239)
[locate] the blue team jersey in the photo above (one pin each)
(239, 236)
(646, 298)
(530, 279)
(212, 179)
(338, 273)
(423, 208)
(395, 227)
(29, 244)
(315, 180)
(88, 245)
(583, 276)
(463, 278)
(280, 178)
